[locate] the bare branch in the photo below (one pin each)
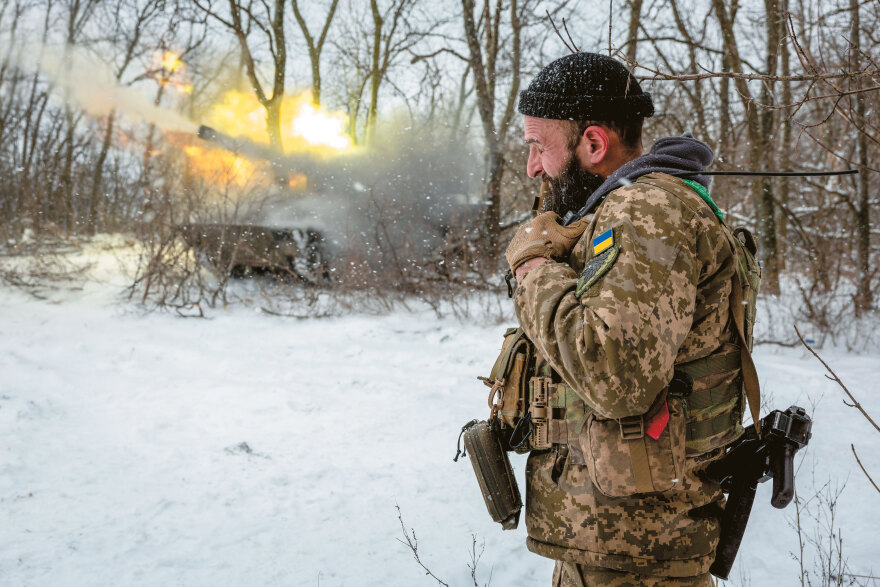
(413, 543)
(863, 468)
(558, 34)
(661, 76)
(837, 380)
(453, 52)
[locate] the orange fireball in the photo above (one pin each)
(305, 127)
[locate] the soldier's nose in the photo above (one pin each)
(534, 167)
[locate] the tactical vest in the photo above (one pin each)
(698, 413)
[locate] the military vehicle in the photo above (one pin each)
(398, 202)
(243, 250)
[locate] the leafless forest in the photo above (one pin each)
(380, 137)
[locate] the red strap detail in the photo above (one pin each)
(656, 424)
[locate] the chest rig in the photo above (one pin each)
(697, 413)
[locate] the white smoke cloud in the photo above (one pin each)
(90, 83)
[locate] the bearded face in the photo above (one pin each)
(569, 190)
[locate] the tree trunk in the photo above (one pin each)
(316, 81)
(726, 123)
(635, 15)
(485, 104)
(98, 175)
(864, 297)
(765, 154)
(493, 188)
(64, 204)
(785, 152)
(375, 72)
(273, 124)
(759, 141)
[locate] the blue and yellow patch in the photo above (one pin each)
(603, 241)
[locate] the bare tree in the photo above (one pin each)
(392, 36)
(135, 26)
(370, 47)
(483, 35)
(242, 18)
(77, 14)
(759, 125)
(864, 297)
(635, 16)
(315, 47)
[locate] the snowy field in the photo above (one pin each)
(247, 449)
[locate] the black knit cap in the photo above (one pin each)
(585, 86)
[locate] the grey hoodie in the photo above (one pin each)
(672, 155)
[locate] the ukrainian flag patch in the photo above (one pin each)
(603, 241)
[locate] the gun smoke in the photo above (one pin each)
(398, 197)
(401, 196)
(90, 83)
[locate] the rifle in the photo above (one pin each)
(753, 459)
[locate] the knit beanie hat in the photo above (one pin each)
(585, 86)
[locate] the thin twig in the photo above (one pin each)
(568, 34)
(863, 468)
(475, 558)
(610, 21)
(837, 380)
(558, 34)
(413, 544)
(661, 76)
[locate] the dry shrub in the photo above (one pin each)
(171, 272)
(405, 261)
(39, 263)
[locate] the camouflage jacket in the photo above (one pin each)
(663, 300)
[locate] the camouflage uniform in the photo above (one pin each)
(663, 301)
(574, 575)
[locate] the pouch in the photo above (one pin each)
(483, 444)
(622, 460)
(509, 379)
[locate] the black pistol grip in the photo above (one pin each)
(782, 466)
(733, 526)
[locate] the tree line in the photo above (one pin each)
(775, 85)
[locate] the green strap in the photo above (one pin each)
(704, 193)
(705, 428)
(711, 365)
(714, 397)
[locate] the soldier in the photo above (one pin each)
(623, 285)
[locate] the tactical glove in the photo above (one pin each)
(543, 236)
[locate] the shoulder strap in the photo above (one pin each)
(750, 374)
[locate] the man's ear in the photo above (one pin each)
(594, 146)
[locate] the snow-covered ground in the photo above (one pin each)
(247, 449)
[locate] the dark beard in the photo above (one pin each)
(568, 192)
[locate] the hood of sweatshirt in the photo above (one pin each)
(679, 156)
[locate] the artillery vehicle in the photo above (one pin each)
(396, 205)
(243, 249)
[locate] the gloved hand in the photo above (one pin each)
(543, 236)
